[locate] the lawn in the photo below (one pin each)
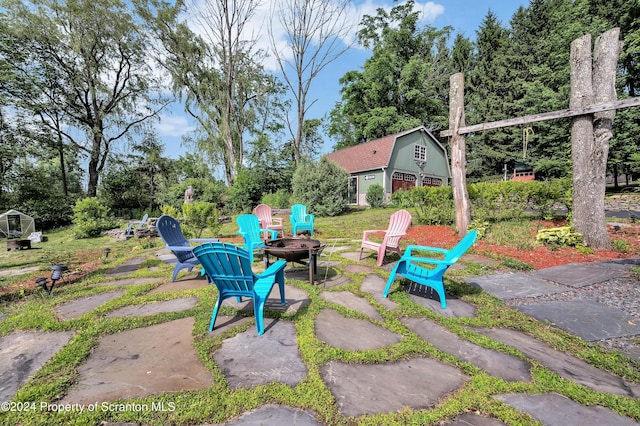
(28, 307)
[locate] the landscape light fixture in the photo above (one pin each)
(107, 250)
(42, 282)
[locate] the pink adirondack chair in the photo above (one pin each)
(267, 221)
(398, 224)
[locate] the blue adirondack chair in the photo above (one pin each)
(171, 233)
(252, 233)
(300, 220)
(229, 268)
(133, 223)
(409, 265)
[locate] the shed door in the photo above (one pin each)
(353, 190)
(402, 181)
(15, 229)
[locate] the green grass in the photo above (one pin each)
(219, 404)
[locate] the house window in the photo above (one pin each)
(420, 153)
(429, 181)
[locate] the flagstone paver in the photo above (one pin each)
(557, 410)
(581, 274)
(357, 269)
(352, 334)
(381, 388)
(585, 318)
(496, 363)
(140, 362)
(128, 282)
(18, 271)
(567, 366)
(374, 285)
(351, 255)
(225, 323)
(351, 301)
(427, 297)
(472, 419)
(249, 360)
(295, 299)
(152, 308)
(184, 284)
(126, 268)
(78, 307)
(22, 354)
(515, 285)
(275, 415)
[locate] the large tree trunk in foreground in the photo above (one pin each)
(458, 156)
(590, 135)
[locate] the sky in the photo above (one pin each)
(464, 16)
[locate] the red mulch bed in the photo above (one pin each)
(540, 257)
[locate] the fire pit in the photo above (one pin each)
(295, 250)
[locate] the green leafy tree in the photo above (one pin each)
(403, 84)
(84, 64)
(245, 193)
(217, 73)
(321, 186)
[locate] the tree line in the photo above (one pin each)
(510, 71)
(83, 84)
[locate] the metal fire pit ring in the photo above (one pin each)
(295, 250)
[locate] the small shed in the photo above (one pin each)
(15, 224)
(400, 161)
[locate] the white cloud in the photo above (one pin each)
(174, 125)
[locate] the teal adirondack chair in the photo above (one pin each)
(229, 268)
(252, 233)
(171, 233)
(300, 220)
(409, 265)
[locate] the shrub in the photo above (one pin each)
(245, 192)
(321, 186)
(563, 236)
(90, 218)
(200, 215)
(433, 204)
(170, 210)
(375, 195)
(621, 246)
(281, 199)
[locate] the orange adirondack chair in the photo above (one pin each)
(267, 221)
(398, 224)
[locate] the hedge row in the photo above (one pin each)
(489, 201)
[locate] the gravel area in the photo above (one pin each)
(621, 293)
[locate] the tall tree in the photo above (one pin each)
(216, 69)
(94, 56)
(490, 93)
(403, 84)
(590, 135)
(316, 34)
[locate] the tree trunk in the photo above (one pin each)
(458, 156)
(590, 135)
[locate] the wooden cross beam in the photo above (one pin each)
(564, 113)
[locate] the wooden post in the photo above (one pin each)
(458, 155)
(590, 134)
